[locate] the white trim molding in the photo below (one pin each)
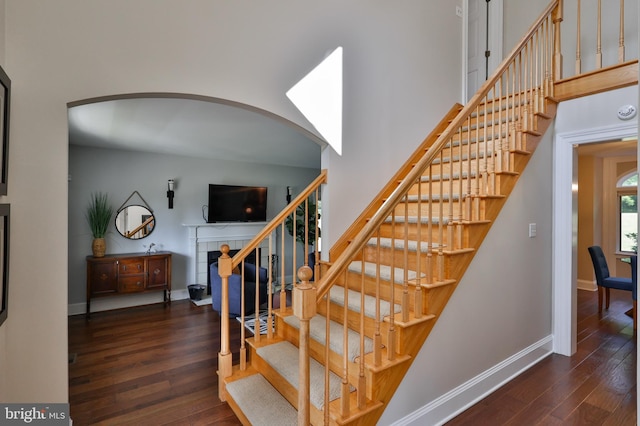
(457, 400)
(565, 206)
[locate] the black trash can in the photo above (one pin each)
(196, 291)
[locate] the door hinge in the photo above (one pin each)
(487, 53)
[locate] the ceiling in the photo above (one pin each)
(198, 128)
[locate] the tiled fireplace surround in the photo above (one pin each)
(204, 238)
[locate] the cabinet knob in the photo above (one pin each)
(156, 271)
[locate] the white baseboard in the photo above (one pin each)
(100, 304)
(588, 285)
(454, 402)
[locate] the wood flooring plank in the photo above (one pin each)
(149, 365)
(597, 385)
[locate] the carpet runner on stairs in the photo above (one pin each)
(283, 357)
(261, 403)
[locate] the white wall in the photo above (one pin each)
(402, 73)
(119, 173)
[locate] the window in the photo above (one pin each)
(627, 188)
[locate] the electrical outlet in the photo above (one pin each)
(532, 230)
(459, 11)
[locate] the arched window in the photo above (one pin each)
(627, 190)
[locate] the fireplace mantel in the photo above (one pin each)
(206, 237)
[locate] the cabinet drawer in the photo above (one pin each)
(130, 266)
(131, 284)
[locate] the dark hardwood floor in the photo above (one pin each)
(148, 365)
(596, 386)
(153, 365)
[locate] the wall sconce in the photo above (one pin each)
(288, 194)
(170, 193)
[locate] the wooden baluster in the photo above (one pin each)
(450, 219)
(270, 318)
(621, 38)
(477, 183)
(417, 304)
(327, 355)
(316, 216)
(440, 262)
(460, 201)
(345, 406)
(392, 283)
(405, 285)
(362, 381)
(578, 31)
(429, 268)
(306, 232)
(536, 74)
(257, 337)
(304, 307)
(468, 175)
(599, 37)
(243, 348)
(224, 356)
(283, 294)
(377, 337)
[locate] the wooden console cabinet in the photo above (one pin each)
(128, 273)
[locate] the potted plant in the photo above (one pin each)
(99, 212)
(312, 230)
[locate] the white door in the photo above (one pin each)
(483, 34)
(476, 46)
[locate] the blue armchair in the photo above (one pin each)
(236, 288)
(605, 281)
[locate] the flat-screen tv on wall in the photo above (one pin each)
(232, 203)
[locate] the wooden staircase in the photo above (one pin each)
(390, 276)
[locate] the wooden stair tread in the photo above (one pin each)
(412, 319)
(260, 402)
(283, 358)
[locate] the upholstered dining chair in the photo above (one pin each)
(606, 282)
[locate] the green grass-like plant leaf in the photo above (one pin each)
(99, 212)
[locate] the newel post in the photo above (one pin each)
(304, 307)
(225, 366)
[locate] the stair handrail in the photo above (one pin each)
(341, 263)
